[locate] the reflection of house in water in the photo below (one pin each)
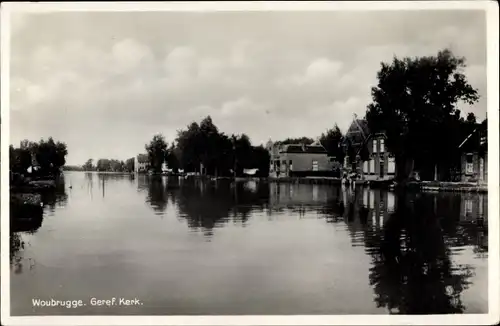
(379, 204)
(473, 207)
(288, 195)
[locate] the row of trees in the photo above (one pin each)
(45, 157)
(203, 148)
(109, 165)
(415, 104)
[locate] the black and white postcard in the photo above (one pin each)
(250, 163)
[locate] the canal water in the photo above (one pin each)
(189, 247)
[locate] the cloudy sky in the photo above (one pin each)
(105, 83)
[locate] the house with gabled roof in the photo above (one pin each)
(366, 153)
(474, 155)
(299, 160)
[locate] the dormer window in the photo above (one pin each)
(381, 145)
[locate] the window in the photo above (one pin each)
(374, 146)
(481, 203)
(381, 146)
(391, 167)
(365, 167)
(469, 165)
(468, 206)
(372, 166)
(315, 165)
(290, 162)
(390, 201)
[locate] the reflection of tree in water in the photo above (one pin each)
(157, 194)
(28, 220)
(55, 197)
(16, 247)
(18, 226)
(207, 205)
(412, 271)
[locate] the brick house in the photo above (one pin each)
(372, 160)
(474, 155)
(298, 160)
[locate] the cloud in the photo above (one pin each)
(106, 82)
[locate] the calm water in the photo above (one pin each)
(186, 247)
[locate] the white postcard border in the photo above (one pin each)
(491, 9)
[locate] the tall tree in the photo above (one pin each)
(414, 103)
(130, 164)
(332, 141)
(156, 150)
(103, 164)
(189, 147)
(209, 139)
(88, 166)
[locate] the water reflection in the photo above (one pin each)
(157, 194)
(57, 197)
(412, 271)
(206, 205)
(409, 237)
(27, 221)
(257, 245)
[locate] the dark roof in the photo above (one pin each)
(358, 131)
(143, 158)
(477, 139)
(306, 149)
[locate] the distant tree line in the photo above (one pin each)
(109, 165)
(44, 158)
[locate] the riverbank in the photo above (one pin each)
(389, 184)
(439, 186)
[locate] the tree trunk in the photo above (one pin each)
(404, 168)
